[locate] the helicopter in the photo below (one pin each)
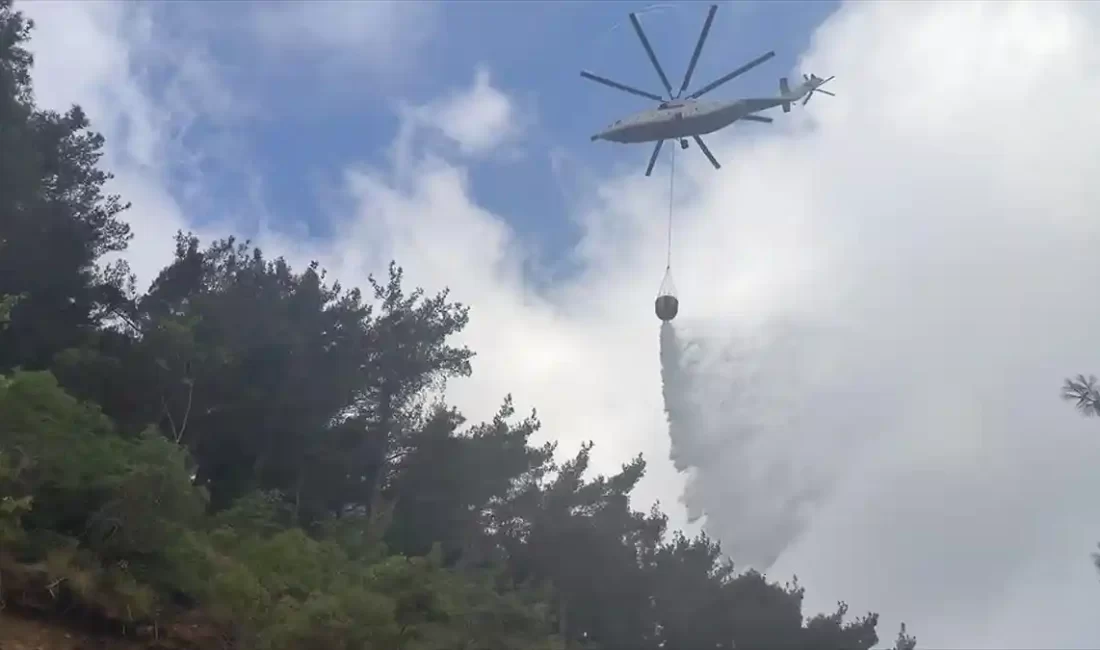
(679, 118)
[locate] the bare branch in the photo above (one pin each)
(168, 413)
(187, 412)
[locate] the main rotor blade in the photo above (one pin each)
(623, 87)
(649, 51)
(653, 158)
(824, 92)
(698, 49)
(808, 96)
(706, 152)
(739, 71)
(758, 118)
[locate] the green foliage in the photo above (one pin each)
(68, 444)
(265, 457)
(289, 590)
(14, 502)
(105, 508)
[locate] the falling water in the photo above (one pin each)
(736, 414)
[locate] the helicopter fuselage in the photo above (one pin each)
(682, 119)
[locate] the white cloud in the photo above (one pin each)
(933, 225)
(382, 35)
(478, 119)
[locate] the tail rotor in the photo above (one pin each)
(815, 83)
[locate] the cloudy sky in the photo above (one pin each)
(881, 293)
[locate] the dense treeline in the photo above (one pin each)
(249, 455)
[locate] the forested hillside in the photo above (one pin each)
(246, 455)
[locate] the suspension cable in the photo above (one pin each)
(671, 189)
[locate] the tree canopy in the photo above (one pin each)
(250, 454)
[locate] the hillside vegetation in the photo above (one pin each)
(246, 456)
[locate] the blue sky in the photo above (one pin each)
(313, 126)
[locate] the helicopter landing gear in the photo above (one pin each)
(683, 143)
